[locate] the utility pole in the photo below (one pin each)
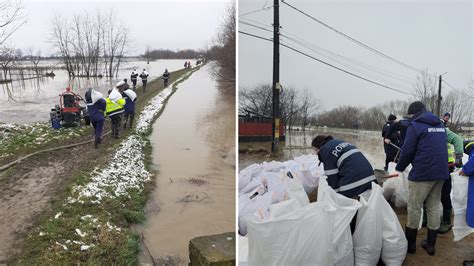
(438, 107)
(276, 77)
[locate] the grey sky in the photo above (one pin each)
(160, 24)
(425, 34)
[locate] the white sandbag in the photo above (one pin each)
(246, 175)
(283, 208)
(296, 191)
(115, 95)
(310, 172)
(302, 237)
(248, 206)
(243, 243)
(396, 188)
(459, 201)
(95, 96)
(346, 208)
(367, 238)
(252, 185)
(394, 242)
(131, 94)
(272, 166)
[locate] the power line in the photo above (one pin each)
(351, 38)
(328, 64)
(255, 11)
(356, 63)
(255, 26)
(305, 44)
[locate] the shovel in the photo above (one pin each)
(382, 175)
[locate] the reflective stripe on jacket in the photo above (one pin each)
(113, 108)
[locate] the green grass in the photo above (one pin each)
(112, 246)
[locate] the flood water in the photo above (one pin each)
(31, 100)
(194, 152)
(298, 143)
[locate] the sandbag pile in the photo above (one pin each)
(283, 228)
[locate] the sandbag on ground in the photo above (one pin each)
(301, 237)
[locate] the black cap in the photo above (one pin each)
(416, 107)
(320, 140)
(447, 114)
(392, 117)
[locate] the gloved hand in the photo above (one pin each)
(458, 161)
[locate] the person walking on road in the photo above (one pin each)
(394, 137)
(166, 76)
(133, 78)
(144, 77)
(129, 109)
(425, 148)
(348, 171)
(114, 108)
(96, 107)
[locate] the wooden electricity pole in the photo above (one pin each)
(276, 77)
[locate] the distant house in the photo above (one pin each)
(256, 127)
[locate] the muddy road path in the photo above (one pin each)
(29, 189)
(194, 152)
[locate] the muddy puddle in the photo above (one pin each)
(194, 152)
(30, 100)
(298, 143)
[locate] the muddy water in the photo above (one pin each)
(31, 100)
(194, 151)
(298, 143)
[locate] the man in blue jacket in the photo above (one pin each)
(425, 148)
(349, 172)
(96, 108)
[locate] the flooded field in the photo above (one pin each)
(299, 143)
(31, 100)
(194, 152)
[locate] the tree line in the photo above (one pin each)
(300, 108)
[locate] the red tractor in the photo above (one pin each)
(69, 112)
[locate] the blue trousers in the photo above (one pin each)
(98, 128)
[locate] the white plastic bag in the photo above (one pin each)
(115, 95)
(459, 200)
(243, 250)
(394, 242)
(302, 237)
(346, 208)
(246, 175)
(248, 206)
(367, 237)
(396, 188)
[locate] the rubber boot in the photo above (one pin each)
(411, 237)
(430, 242)
(446, 223)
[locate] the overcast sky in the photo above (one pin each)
(436, 35)
(161, 24)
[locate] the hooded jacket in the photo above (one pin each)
(349, 172)
(425, 148)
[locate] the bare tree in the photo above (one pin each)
(425, 89)
(224, 50)
(83, 40)
(34, 58)
(8, 57)
(459, 105)
(257, 100)
(309, 105)
(11, 19)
